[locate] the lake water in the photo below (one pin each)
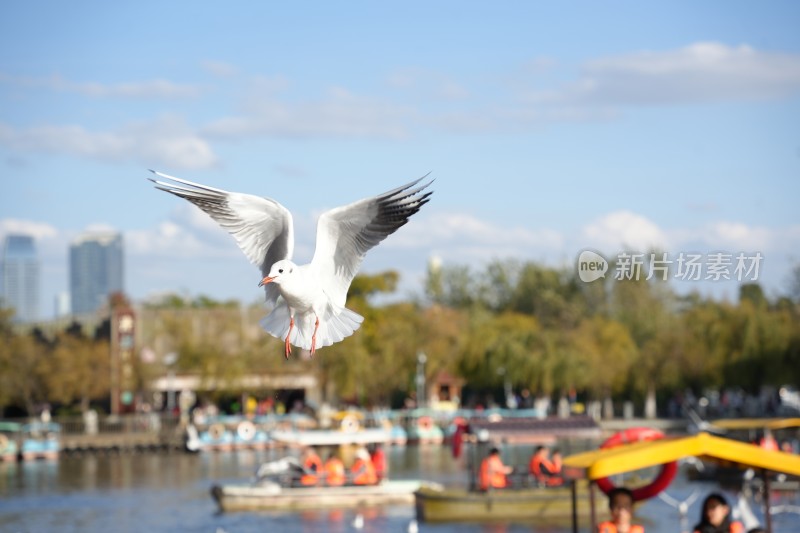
(170, 492)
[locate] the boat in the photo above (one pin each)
(423, 430)
(324, 437)
(531, 430)
(435, 503)
(9, 433)
(272, 496)
(525, 499)
(603, 463)
(40, 440)
(350, 431)
(275, 488)
(747, 430)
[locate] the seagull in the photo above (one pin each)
(308, 301)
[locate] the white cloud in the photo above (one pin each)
(464, 238)
(166, 141)
(700, 72)
(624, 230)
(38, 230)
(735, 235)
(189, 233)
(340, 114)
(149, 89)
(220, 69)
(427, 83)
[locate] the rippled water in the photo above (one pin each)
(170, 492)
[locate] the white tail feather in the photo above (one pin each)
(335, 325)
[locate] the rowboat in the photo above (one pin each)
(272, 496)
(435, 503)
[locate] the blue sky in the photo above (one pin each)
(549, 127)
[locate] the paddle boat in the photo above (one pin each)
(9, 433)
(349, 431)
(40, 440)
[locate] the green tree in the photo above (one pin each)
(77, 370)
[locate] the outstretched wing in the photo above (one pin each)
(346, 234)
(261, 226)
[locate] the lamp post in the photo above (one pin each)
(510, 400)
(421, 359)
(170, 360)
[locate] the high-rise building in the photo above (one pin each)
(20, 277)
(95, 270)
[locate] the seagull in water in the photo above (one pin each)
(307, 300)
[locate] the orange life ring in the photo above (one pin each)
(425, 423)
(660, 482)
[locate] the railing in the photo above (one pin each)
(139, 423)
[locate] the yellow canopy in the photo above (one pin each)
(756, 423)
(608, 462)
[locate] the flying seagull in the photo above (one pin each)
(307, 300)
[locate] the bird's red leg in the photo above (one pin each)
(314, 337)
(287, 350)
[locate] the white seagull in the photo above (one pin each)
(307, 300)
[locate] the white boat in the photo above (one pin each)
(272, 496)
(331, 437)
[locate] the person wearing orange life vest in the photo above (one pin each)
(493, 472)
(312, 467)
(378, 458)
(334, 471)
(540, 466)
(620, 503)
(716, 516)
(363, 471)
(768, 441)
(556, 463)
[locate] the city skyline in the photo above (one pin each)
(550, 130)
(19, 272)
(96, 270)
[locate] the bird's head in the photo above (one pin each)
(279, 271)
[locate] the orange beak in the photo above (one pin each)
(265, 281)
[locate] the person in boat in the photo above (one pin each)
(312, 467)
(620, 503)
(555, 478)
(540, 467)
(493, 472)
(363, 471)
(716, 516)
(334, 471)
(768, 441)
(378, 458)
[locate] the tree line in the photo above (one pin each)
(535, 327)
